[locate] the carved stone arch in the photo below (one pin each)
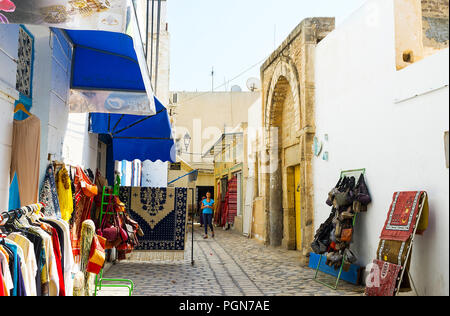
(285, 73)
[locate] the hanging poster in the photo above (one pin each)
(105, 15)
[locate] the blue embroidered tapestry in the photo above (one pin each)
(161, 213)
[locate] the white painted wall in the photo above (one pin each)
(80, 147)
(391, 123)
(8, 94)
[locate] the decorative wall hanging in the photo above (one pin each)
(161, 213)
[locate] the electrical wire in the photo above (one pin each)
(223, 84)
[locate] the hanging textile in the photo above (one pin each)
(384, 278)
(14, 196)
(64, 189)
(49, 195)
(232, 200)
(161, 213)
(85, 191)
(402, 216)
(25, 157)
(36, 247)
(87, 234)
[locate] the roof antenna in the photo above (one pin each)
(212, 79)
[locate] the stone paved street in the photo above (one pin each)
(229, 265)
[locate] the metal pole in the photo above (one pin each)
(192, 237)
(158, 27)
(151, 44)
(146, 31)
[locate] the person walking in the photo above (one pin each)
(208, 210)
(200, 210)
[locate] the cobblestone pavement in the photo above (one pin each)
(228, 265)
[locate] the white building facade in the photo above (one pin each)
(390, 122)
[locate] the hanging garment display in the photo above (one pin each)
(85, 191)
(161, 213)
(38, 253)
(14, 196)
(25, 157)
(87, 235)
(48, 194)
(64, 190)
(335, 235)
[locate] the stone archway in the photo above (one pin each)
(283, 96)
(285, 88)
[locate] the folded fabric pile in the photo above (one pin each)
(335, 235)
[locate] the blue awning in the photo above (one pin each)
(104, 61)
(136, 136)
(111, 62)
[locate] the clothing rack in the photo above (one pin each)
(6, 216)
(346, 173)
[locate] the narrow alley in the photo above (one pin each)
(228, 265)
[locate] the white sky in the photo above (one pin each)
(234, 35)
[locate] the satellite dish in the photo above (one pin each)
(236, 88)
(253, 84)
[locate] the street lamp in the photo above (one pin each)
(187, 140)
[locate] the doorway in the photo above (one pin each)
(297, 198)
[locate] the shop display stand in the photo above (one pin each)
(99, 279)
(347, 173)
(403, 268)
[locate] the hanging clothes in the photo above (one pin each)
(14, 195)
(87, 233)
(25, 158)
(64, 190)
(37, 253)
(49, 195)
(85, 191)
(30, 261)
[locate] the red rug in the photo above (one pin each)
(402, 216)
(383, 278)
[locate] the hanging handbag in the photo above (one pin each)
(346, 234)
(96, 255)
(106, 230)
(110, 233)
(122, 232)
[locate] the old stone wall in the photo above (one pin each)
(288, 120)
(435, 24)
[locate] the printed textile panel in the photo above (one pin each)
(383, 278)
(24, 61)
(48, 194)
(402, 216)
(161, 213)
